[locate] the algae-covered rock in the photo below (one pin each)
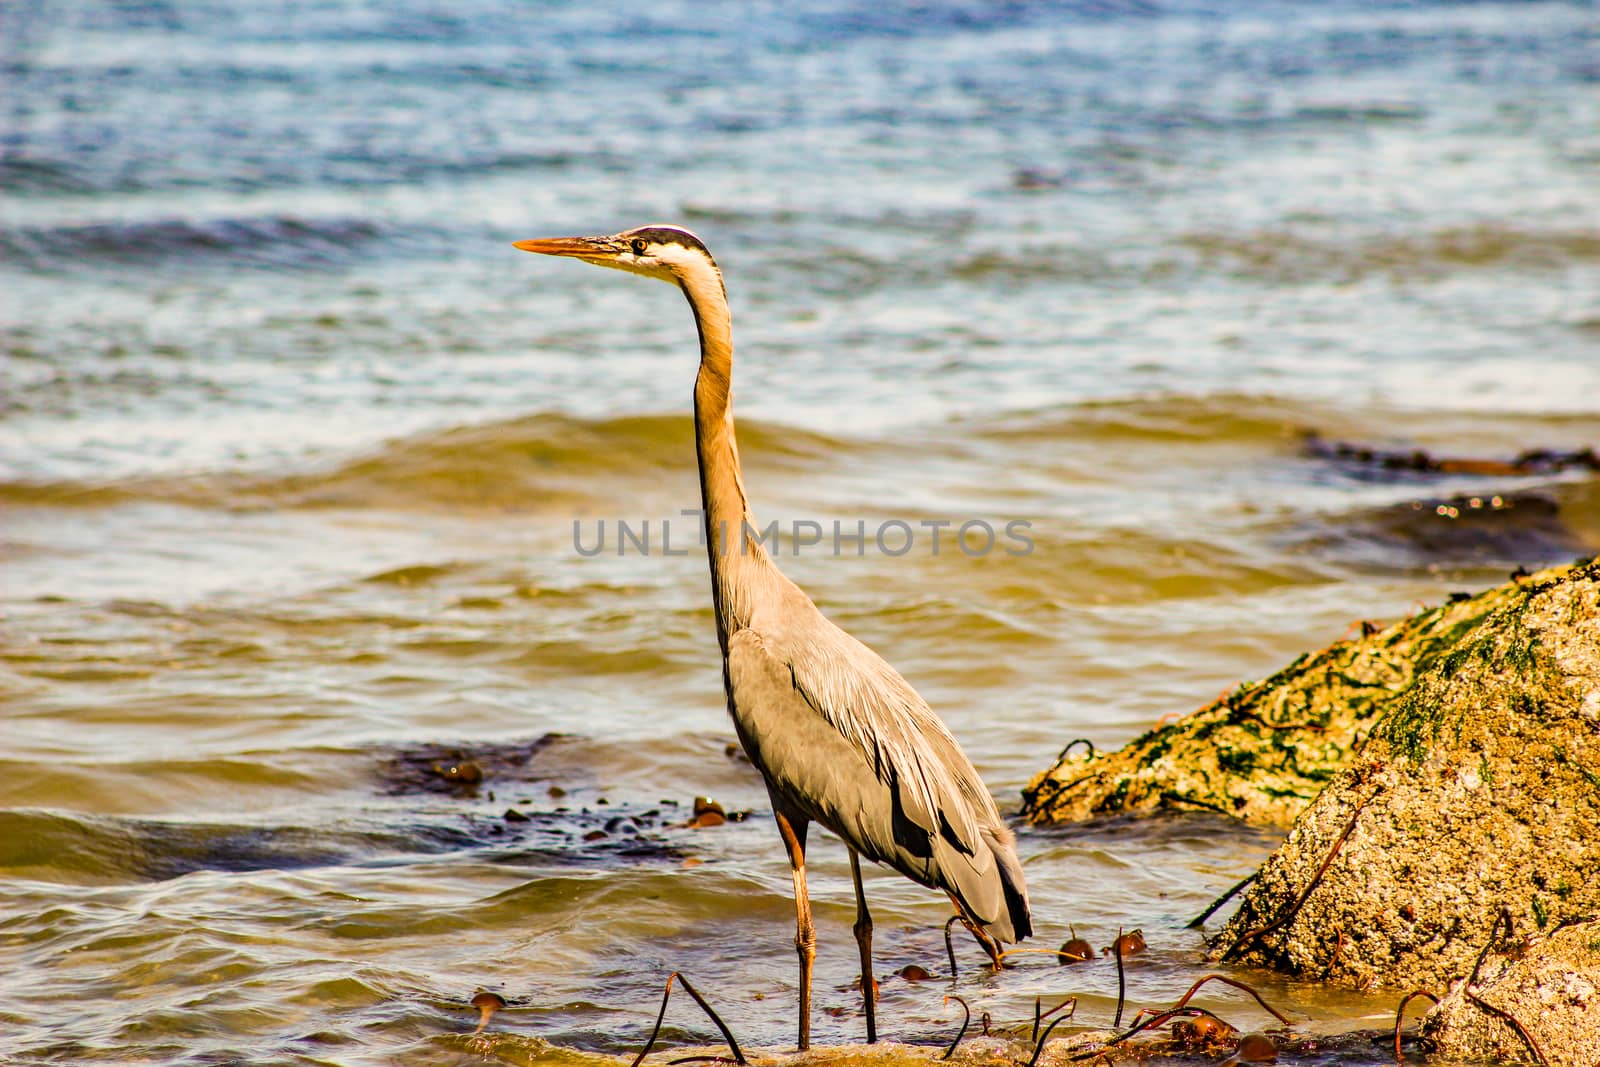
(1478, 793)
(1263, 752)
(1538, 1003)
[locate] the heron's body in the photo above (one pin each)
(839, 736)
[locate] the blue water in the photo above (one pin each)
(301, 212)
(292, 440)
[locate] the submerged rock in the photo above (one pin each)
(1459, 530)
(1388, 464)
(1540, 1003)
(1476, 795)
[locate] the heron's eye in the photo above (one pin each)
(639, 246)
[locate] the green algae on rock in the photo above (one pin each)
(1476, 797)
(1264, 752)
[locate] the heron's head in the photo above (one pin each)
(669, 253)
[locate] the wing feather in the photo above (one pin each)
(843, 739)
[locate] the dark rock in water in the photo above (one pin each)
(1500, 526)
(524, 832)
(457, 769)
(1475, 797)
(1500, 529)
(1394, 465)
(462, 772)
(1540, 1001)
(1036, 178)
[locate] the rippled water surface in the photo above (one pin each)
(293, 446)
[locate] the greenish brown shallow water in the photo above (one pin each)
(224, 827)
(292, 446)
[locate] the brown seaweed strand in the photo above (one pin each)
(1178, 1008)
(1399, 1017)
(1155, 1020)
(1527, 1038)
(666, 995)
(1293, 909)
(1494, 928)
(949, 946)
(1122, 981)
(1200, 920)
(966, 1018)
(1046, 1037)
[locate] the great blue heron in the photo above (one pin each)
(839, 736)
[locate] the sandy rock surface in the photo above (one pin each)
(1535, 1001)
(1476, 796)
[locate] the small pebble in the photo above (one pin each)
(466, 772)
(1203, 1029)
(1256, 1048)
(1075, 951)
(487, 1004)
(1131, 942)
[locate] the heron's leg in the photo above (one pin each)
(805, 934)
(869, 985)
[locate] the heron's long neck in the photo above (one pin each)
(737, 558)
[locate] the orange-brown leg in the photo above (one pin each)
(805, 934)
(869, 985)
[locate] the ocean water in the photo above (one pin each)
(301, 465)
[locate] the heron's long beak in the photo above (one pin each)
(581, 247)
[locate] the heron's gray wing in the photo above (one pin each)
(808, 668)
(841, 738)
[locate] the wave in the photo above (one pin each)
(273, 241)
(1286, 257)
(79, 174)
(1272, 256)
(531, 464)
(60, 845)
(441, 798)
(1219, 418)
(69, 847)
(24, 177)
